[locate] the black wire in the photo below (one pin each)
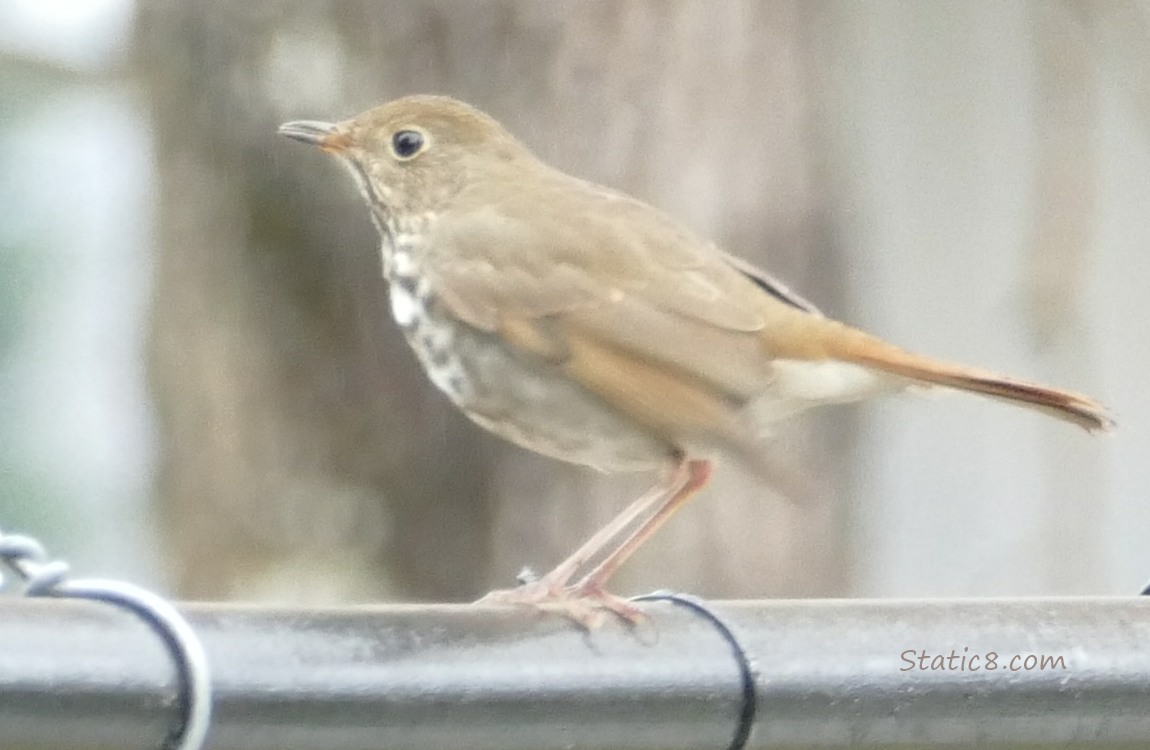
(746, 670)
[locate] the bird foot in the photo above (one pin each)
(585, 603)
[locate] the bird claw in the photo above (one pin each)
(585, 603)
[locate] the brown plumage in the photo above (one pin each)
(586, 325)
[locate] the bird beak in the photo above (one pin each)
(326, 135)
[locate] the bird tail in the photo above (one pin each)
(869, 351)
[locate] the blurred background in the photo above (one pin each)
(201, 388)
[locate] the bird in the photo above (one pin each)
(583, 324)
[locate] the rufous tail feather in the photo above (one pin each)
(863, 349)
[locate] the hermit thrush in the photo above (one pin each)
(585, 325)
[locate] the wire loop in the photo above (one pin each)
(747, 670)
(44, 577)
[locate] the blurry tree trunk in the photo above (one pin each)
(304, 455)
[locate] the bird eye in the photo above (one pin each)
(407, 143)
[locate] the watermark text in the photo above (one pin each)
(922, 660)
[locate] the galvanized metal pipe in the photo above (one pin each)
(80, 675)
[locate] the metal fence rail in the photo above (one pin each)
(79, 675)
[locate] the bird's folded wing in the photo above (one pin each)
(593, 284)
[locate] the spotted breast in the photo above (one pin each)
(529, 402)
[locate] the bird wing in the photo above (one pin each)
(769, 284)
(639, 310)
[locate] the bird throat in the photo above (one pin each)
(402, 240)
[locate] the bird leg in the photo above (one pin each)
(698, 473)
(585, 601)
(561, 575)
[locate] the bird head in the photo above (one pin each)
(414, 154)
